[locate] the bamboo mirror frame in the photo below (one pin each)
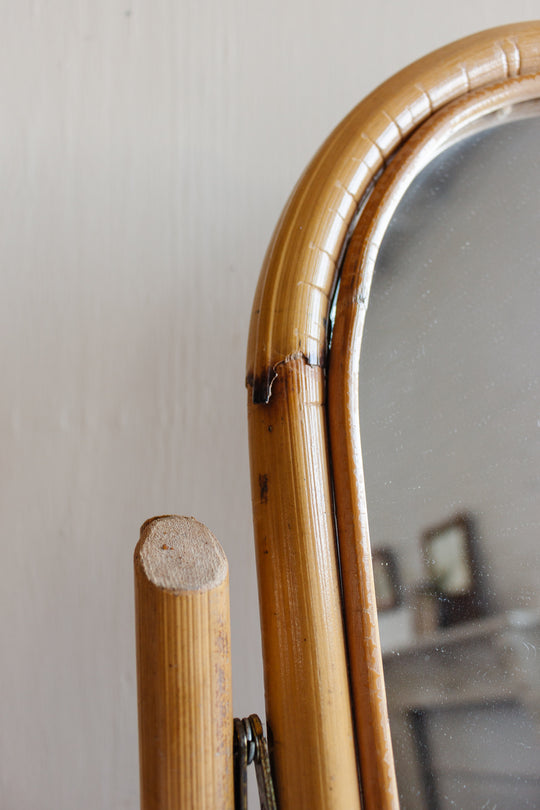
(325, 698)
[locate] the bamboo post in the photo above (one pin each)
(305, 665)
(183, 667)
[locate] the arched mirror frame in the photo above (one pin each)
(317, 724)
(477, 110)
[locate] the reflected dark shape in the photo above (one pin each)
(386, 577)
(455, 573)
(450, 417)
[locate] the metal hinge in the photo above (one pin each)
(250, 746)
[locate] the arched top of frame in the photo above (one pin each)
(292, 300)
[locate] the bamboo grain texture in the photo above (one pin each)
(183, 667)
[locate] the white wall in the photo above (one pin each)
(146, 151)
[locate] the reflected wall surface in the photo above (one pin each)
(450, 419)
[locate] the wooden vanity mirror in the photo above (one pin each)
(349, 223)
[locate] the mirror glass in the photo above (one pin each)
(450, 421)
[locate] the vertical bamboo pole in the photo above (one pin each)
(308, 703)
(183, 667)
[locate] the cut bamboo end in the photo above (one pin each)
(183, 667)
(181, 554)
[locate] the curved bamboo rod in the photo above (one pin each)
(344, 415)
(298, 275)
(305, 662)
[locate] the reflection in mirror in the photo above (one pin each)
(450, 416)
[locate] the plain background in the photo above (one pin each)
(147, 148)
